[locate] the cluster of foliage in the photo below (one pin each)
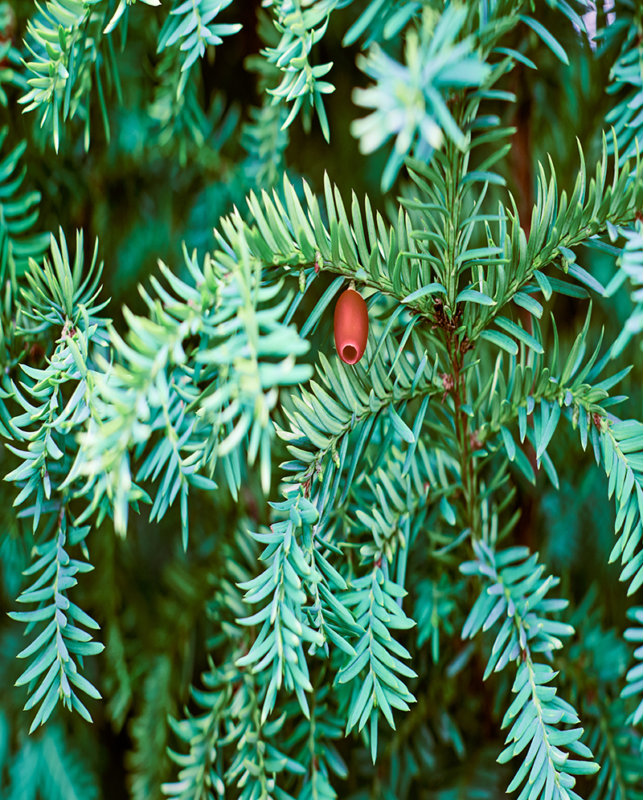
(313, 580)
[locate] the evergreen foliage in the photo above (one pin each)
(314, 580)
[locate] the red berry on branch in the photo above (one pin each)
(351, 326)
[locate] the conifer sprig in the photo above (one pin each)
(402, 473)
